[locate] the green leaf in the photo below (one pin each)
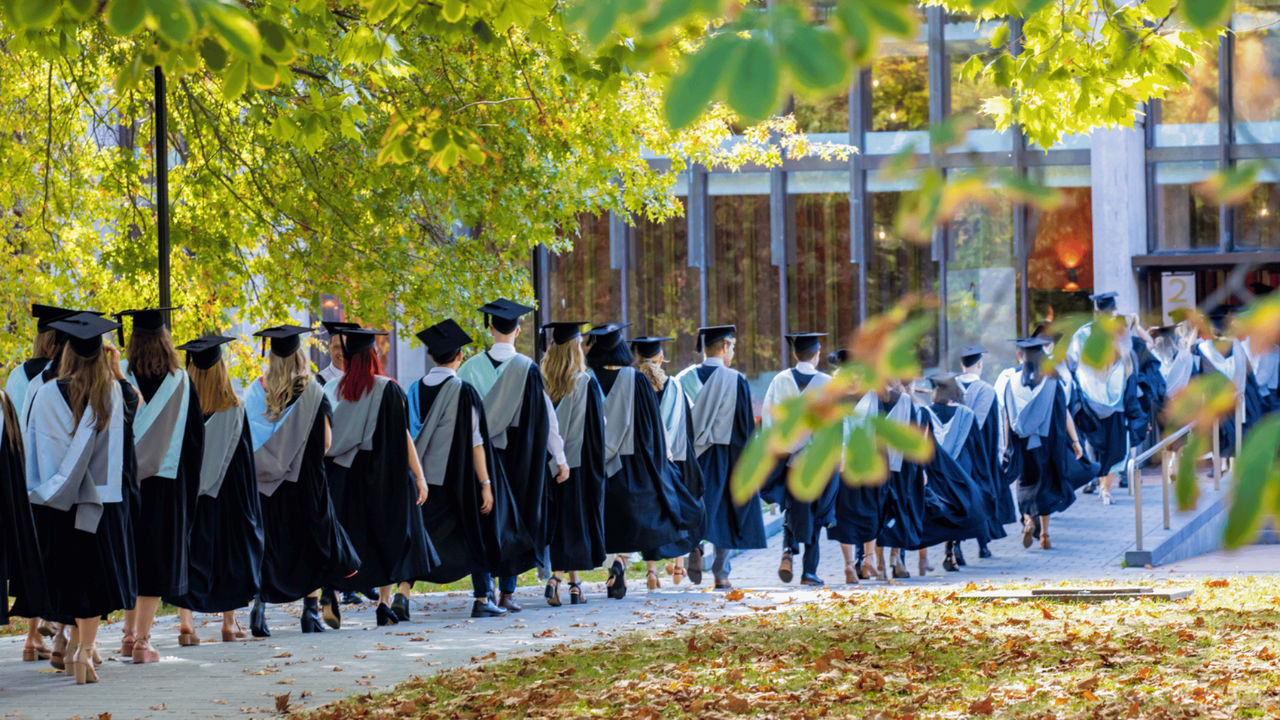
(453, 10)
(752, 469)
(691, 90)
(1099, 349)
(816, 464)
(129, 75)
(1000, 37)
(1254, 483)
(863, 464)
(235, 80)
(1202, 14)
(1158, 8)
(263, 76)
(669, 12)
(214, 54)
(896, 19)
(753, 89)
(35, 13)
(816, 58)
(124, 17)
(174, 20)
(273, 36)
(237, 29)
(1031, 7)
(852, 18)
(910, 441)
(79, 9)
(1187, 488)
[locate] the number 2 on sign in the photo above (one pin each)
(1178, 297)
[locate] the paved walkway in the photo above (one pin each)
(244, 679)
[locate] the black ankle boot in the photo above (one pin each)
(258, 619)
(385, 616)
(311, 615)
(400, 606)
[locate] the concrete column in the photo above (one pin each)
(1118, 167)
(411, 357)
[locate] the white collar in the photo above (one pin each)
(967, 377)
(438, 374)
(714, 362)
(806, 368)
(502, 351)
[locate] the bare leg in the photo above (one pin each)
(1044, 532)
(404, 589)
(86, 634)
(229, 621)
(130, 622)
(384, 595)
(573, 576)
(186, 622)
(144, 618)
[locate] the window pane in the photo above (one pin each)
(1258, 217)
(1060, 267)
(1190, 117)
(1185, 219)
(664, 288)
(982, 281)
(899, 97)
(1256, 67)
(965, 39)
(821, 278)
(897, 267)
(828, 115)
(583, 286)
(742, 282)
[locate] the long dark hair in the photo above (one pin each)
(152, 354)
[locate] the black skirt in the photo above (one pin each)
(162, 525)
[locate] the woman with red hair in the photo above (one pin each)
(376, 481)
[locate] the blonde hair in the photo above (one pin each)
(151, 353)
(12, 437)
(652, 369)
(285, 380)
(213, 387)
(46, 345)
(561, 366)
(89, 385)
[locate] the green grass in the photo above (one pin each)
(909, 654)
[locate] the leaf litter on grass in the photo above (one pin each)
(914, 653)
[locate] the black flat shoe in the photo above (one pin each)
(400, 607)
(693, 565)
(959, 556)
(616, 586)
(484, 607)
(329, 609)
(350, 598)
(576, 596)
(310, 619)
(984, 552)
(385, 616)
(258, 620)
(811, 579)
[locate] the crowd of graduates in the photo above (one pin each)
(128, 481)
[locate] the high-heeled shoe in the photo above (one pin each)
(58, 656)
(310, 619)
(82, 664)
(126, 644)
(576, 596)
(47, 629)
(552, 591)
(400, 607)
(93, 653)
(236, 632)
(949, 564)
(143, 652)
(188, 639)
(258, 619)
(924, 567)
(69, 660)
(36, 653)
(677, 574)
(652, 581)
(329, 610)
(900, 570)
(616, 585)
(385, 616)
(850, 575)
(1044, 541)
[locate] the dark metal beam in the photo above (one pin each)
(162, 186)
(1196, 259)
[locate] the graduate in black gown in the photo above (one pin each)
(1265, 362)
(376, 480)
(169, 441)
(1226, 355)
(980, 397)
(859, 508)
(803, 521)
(226, 531)
(525, 432)
(306, 547)
(81, 477)
(21, 568)
(645, 504)
(575, 522)
(960, 474)
(676, 412)
(470, 513)
(722, 424)
(1044, 454)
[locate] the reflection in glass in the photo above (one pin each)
(664, 288)
(582, 285)
(1060, 266)
(899, 99)
(826, 115)
(821, 277)
(1190, 117)
(1256, 68)
(982, 282)
(897, 267)
(1185, 218)
(1258, 217)
(966, 39)
(742, 282)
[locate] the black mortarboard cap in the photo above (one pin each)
(563, 331)
(608, 335)
(971, 354)
(205, 351)
(333, 327)
(147, 320)
(84, 332)
(357, 339)
(444, 339)
(839, 357)
(1218, 317)
(647, 347)
(285, 339)
(943, 380)
(1104, 302)
(1162, 330)
(46, 314)
(504, 315)
(1028, 343)
(805, 343)
(1259, 289)
(714, 333)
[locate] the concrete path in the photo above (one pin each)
(244, 679)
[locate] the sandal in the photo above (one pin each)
(236, 633)
(126, 644)
(677, 574)
(850, 575)
(35, 653)
(576, 596)
(47, 629)
(616, 585)
(653, 581)
(188, 639)
(552, 592)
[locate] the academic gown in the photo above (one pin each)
(19, 381)
(1049, 475)
(1151, 390)
(859, 509)
(166, 506)
(645, 504)
(729, 525)
(465, 540)
(903, 524)
(21, 570)
(804, 520)
(688, 474)
(1252, 398)
(1109, 437)
(376, 501)
(306, 546)
(987, 431)
(227, 542)
(575, 522)
(958, 500)
(92, 574)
